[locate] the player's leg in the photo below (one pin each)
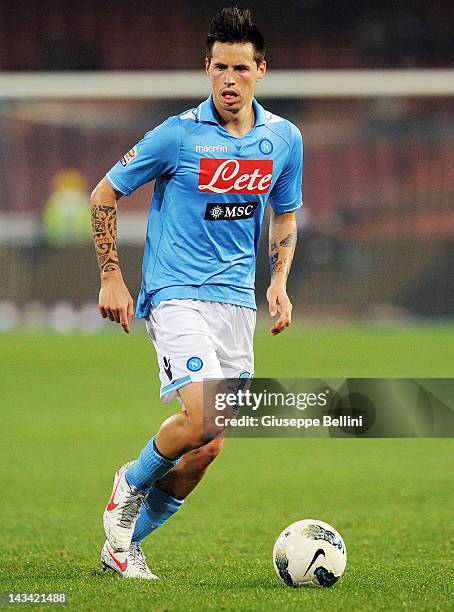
(179, 330)
(185, 476)
(177, 435)
(167, 495)
(163, 500)
(234, 328)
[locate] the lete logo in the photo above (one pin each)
(235, 176)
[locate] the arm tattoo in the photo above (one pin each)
(280, 260)
(276, 267)
(104, 223)
(289, 241)
(277, 264)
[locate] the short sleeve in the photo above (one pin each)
(286, 194)
(155, 155)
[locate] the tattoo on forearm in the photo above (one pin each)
(280, 259)
(277, 264)
(276, 267)
(104, 223)
(289, 240)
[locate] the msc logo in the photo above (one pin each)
(211, 148)
(227, 212)
(235, 175)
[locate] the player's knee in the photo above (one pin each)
(200, 433)
(196, 431)
(201, 424)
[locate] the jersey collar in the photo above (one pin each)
(206, 112)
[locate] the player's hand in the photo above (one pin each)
(115, 301)
(279, 303)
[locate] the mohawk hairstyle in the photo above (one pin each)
(235, 25)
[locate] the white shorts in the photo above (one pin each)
(195, 339)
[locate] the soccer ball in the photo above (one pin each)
(309, 553)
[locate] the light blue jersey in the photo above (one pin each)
(208, 203)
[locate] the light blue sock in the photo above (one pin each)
(161, 506)
(150, 467)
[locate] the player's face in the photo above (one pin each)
(234, 74)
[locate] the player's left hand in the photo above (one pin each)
(279, 303)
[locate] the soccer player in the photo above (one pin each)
(216, 167)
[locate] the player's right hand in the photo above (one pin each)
(115, 301)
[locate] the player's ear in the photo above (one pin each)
(261, 70)
(207, 65)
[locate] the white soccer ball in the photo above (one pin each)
(309, 553)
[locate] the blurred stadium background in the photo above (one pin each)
(377, 228)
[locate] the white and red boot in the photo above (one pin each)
(129, 564)
(122, 511)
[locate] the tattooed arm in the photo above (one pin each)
(282, 248)
(115, 301)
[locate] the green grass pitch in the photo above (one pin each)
(74, 408)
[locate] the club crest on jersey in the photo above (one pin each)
(266, 146)
(130, 155)
(235, 175)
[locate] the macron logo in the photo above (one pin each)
(211, 148)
